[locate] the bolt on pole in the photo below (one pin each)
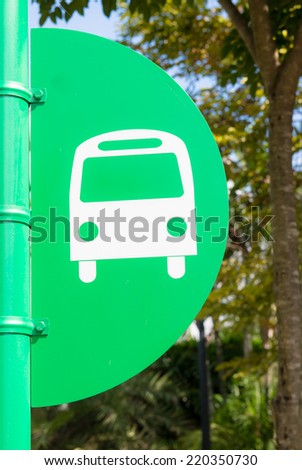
(14, 225)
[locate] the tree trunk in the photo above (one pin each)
(287, 285)
(281, 78)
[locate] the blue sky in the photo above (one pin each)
(93, 22)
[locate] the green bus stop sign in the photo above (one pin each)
(129, 214)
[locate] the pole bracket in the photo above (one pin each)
(10, 213)
(32, 96)
(24, 326)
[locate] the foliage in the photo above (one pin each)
(159, 409)
(58, 9)
(155, 409)
(285, 16)
(244, 421)
(186, 39)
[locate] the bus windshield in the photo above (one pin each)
(134, 177)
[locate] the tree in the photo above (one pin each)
(159, 409)
(280, 74)
(264, 45)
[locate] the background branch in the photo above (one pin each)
(240, 24)
(267, 55)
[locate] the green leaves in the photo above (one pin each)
(155, 410)
(146, 7)
(238, 63)
(108, 6)
(52, 9)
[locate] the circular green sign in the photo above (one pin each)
(129, 214)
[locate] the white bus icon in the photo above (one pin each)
(111, 152)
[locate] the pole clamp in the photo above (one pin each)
(10, 213)
(32, 96)
(24, 326)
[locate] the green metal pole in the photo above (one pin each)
(14, 229)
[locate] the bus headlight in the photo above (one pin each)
(177, 227)
(88, 231)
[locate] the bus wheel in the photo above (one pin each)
(176, 266)
(87, 271)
